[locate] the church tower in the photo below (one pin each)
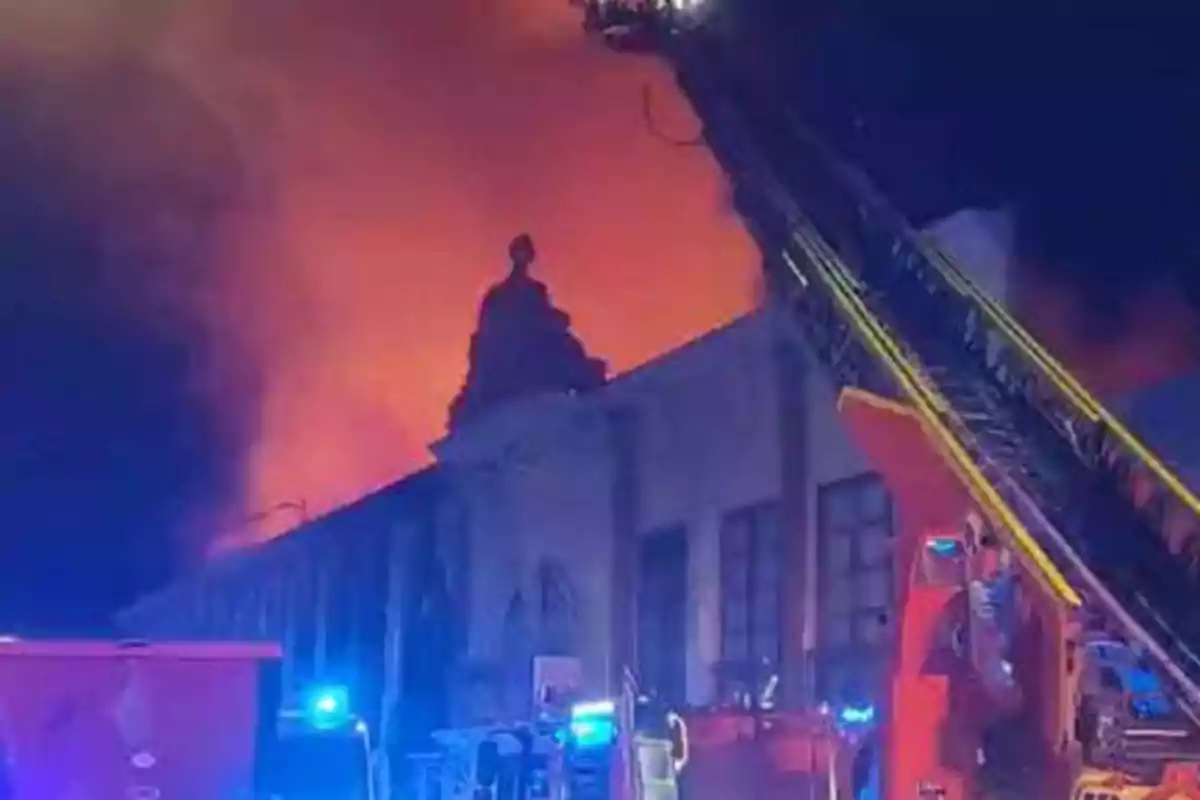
(522, 345)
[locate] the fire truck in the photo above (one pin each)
(1047, 642)
(130, 721)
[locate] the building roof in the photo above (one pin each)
(414, 494)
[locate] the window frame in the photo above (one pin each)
(854, 654)
(670, 667)
(740, 567)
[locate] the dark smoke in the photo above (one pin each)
(113, 183)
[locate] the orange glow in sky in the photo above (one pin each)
(406, 143)
(394, 147)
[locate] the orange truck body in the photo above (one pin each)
(135, 722)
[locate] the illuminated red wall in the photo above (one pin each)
(787, 759)
(59, 721)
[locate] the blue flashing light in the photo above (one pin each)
(598, 708)
(1151, 700)
(593, 724)
(328, 707)
(857, 715)
(944, 547)
(1143, 682)
(589, 733)
(1152, 708)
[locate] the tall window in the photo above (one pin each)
(662, 613)
(752, 559)
(857, 593)
(557, 609)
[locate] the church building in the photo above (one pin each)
(703, 519)
(694, 518)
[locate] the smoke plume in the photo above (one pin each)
(353, 172)
(245, 242)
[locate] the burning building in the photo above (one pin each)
(704, 519)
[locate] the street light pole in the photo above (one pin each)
(363, 731)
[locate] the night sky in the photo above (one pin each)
(109, 439)
(242, 244)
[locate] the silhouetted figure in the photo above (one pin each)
(523, 345)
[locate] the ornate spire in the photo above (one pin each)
(522, 345)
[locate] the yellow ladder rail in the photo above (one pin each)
(928, 402)
(1067, 383)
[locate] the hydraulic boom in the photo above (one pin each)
(1105, 528)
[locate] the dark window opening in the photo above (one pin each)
(752, 559)
(662, 614)
(856, 586)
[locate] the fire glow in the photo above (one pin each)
(390, 151)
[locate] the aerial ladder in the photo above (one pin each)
(1098, 533)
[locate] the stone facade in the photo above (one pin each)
(650, 493)
(672, 451)
(704, 518)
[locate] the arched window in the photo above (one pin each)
(557, 609)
